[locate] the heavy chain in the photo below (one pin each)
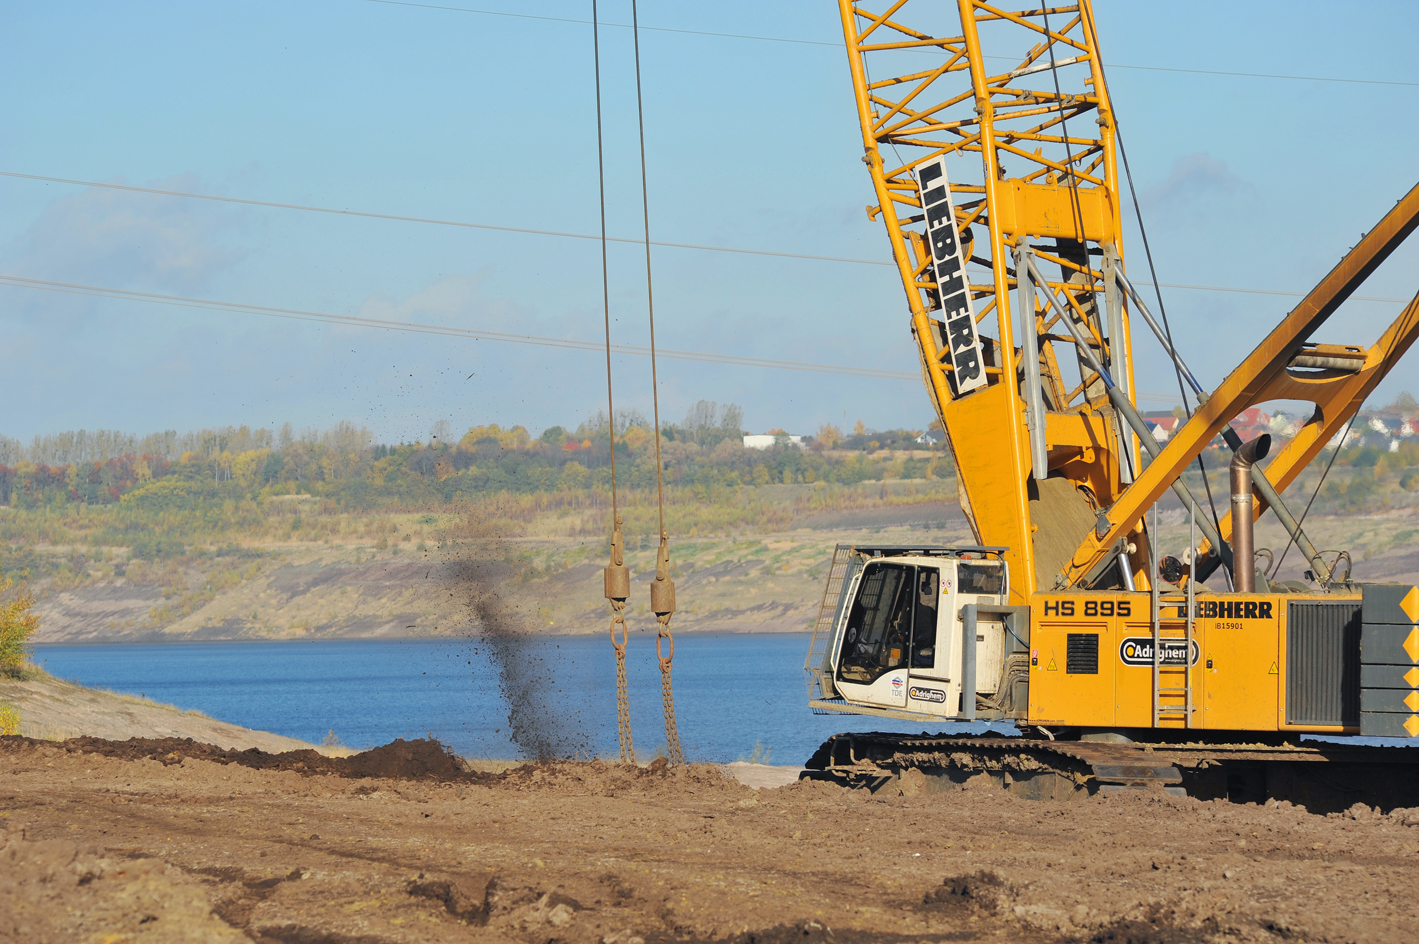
(618, 591)
(662, 603)
(623, 701)
(667, 695)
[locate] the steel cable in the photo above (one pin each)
(1148, 253)
(617, 589)
(1291, 540)
(662, 595)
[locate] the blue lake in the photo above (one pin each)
(733, 692)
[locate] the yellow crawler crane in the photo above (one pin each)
(993, 155)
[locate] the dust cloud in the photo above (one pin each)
(544, 720)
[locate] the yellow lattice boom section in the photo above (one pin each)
(1011, 113)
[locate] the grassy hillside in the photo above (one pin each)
(256, 535)
(752, 561)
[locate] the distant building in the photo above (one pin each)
(1162, 427)
(930, 438)
(765, 440)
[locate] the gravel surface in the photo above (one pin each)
(156, 842)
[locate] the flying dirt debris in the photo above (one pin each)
(999, 190)
(543, 720)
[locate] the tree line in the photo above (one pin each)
(169, 473)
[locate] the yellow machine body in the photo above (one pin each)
(993, 158)
(1090, 663)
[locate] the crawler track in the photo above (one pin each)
(1321, 777)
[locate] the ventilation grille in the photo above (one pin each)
(1082, 656)
(1323, 663)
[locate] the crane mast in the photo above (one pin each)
(1009, 122)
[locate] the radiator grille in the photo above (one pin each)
(1082, 654)
(1323, 663)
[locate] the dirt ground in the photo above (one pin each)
(158, 841)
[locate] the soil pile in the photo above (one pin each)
(420, 759)
(53, 890)
(145, 844)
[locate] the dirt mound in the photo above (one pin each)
(605, 778)
(55, 890)
(815, 932)
(1152, 931)
(420, 759)
(984, 891)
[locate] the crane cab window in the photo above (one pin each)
(879, 623)
(927, 603)
(985, 577)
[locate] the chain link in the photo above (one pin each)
(623, 700)
(618, 591)
(667, 695)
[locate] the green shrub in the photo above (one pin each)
(18, 621)
(9, 719)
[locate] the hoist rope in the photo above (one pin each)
(1276, 571)
(662, 591)
(617, 589)
(1153, 273)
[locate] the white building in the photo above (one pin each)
(765, 440)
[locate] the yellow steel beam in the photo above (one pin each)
(1255, 380)
(1337, 396)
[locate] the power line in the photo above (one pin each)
(1266, 75)
(429, 220)
(838, 45)
(364, 214)
(567, 19)
(1266, 291)
(295, 314)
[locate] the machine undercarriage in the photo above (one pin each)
(1322, 777)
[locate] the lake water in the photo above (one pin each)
(733, 692)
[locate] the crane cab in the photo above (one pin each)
(897, 638)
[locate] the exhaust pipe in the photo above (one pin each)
(1243, 543)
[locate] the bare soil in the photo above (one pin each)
(174, 841)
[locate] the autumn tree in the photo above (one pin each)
(18, 621)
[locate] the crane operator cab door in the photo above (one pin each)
(935, 673)
(890, 627)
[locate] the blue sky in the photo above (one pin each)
(1257, 183)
